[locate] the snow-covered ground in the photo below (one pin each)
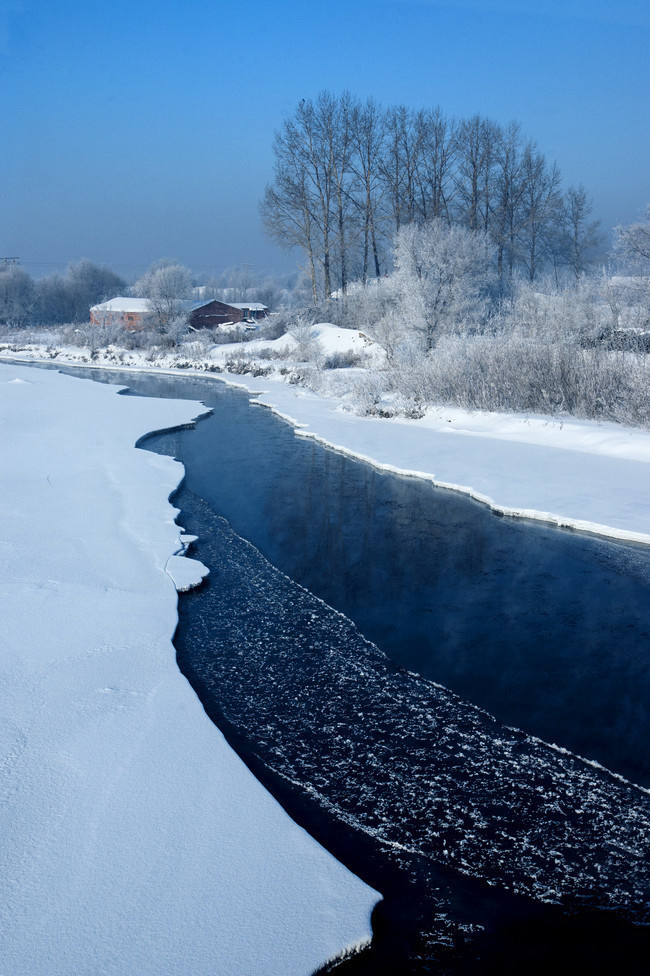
(132, 839)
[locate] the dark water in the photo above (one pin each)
(463, 824)
(547, 629)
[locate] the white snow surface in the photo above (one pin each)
(132, 839)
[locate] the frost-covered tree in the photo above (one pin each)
(581, 237)
(68, 298)
(348, 176)
(167, 288)
(633, 242)
(442, 275)
(90, 284)
(541, 210)
(367, 134)
(16, 297)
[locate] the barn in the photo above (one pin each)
(208, 315)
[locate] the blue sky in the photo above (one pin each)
(140, 129)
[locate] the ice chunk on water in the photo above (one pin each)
(186, 573)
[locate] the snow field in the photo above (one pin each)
(132, 839)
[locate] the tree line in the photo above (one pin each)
(348, 175)
(55, 299)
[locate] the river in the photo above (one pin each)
(340, 600)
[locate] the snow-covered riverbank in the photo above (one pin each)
(577, 473)
(133, 840)
(585, 474)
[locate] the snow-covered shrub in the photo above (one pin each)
(198, 343)
(245, 366)
(343, 360)
(390, 332)
(90, 335)
(308, 349)
(364, 304)
(267, 353)
(169, 334)
(516, 372)
(304, 376)
(369, 395)
(276, 324)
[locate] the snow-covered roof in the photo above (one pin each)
(253, 306)
(123, 305)
(141, 305)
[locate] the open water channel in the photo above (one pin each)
(352, 622)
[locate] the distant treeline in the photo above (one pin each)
(348, 175)
(57, 298)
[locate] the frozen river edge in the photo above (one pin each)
(585, 475)
(133, 838)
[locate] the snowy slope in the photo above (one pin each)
(132, 840)
(331, 339)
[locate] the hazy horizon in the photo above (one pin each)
(139, 131)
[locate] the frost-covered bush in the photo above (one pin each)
(90, 335)
(242, 367)
(514, 372)
(224, 337)
(369, 394)
(197, 345)
(266, 353)
(343, 360)
(170, 333)
(277, 324)
(308, 349)
(364, 304)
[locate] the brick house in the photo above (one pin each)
(128, 312)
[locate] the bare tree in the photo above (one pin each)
(477, 142)
(348, 177)
(400, 165)
(304, 205)
(287, 208)
(541, 209)
(508, 193)
(367, 134)
(438, 144)
(581, 236)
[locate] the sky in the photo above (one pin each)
(140, 129)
